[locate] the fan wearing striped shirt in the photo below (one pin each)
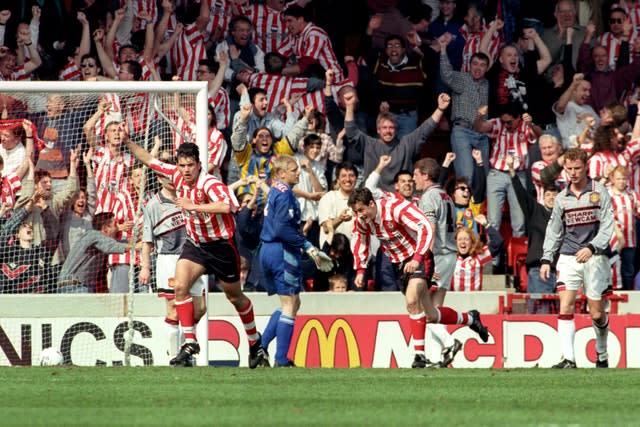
(472, 255)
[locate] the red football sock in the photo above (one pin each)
(248, 320)
(184, 310)
(418, 325)
(449, 316)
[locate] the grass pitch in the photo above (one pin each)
(320, 397)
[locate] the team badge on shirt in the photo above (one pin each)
(594, 197)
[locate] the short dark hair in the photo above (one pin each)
(481, 56)
(550, 187)
(510, 108)
(340, 244)
(452, 183)
(91, 56)
(391, 37)
(134, 68)
(101, 219)
(297, 11)
(360, 195)
(274, 63)
(241, 18)
(211, 65)
(401, 172)
(321, 122)
(311, 139)
(127, 46)
(419, 12)
(39, 174)
(188, 150)
(346, 165)
(255, 91)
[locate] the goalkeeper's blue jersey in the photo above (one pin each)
(282, 219)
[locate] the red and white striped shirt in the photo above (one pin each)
(19, 73)
(599, 161)
(634, 177)
(186, 53)
(278, 87)
(202, 227)
(10, 186)
(315, 99)
(149, 6)
(111, 175)
(403, 229)
(217, 148)
(269, 28)
(217, 145)
(220, 105)
(633, 11)
(472, 45)
(626, 208)
(561, 180)
(612, 45)
(114, 109)
(510, 143)
(220, 14)
(467, 275)
(313, 43)
(124, 208)
(134, 108)
(70, 72)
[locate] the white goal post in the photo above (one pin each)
(159, 95)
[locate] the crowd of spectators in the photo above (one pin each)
(357, 91)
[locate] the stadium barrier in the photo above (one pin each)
(332, 330)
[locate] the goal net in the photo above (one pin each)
(74, 274)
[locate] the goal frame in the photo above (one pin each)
(200, 89)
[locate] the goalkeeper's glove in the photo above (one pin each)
(323, 261)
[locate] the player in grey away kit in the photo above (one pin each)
(580, 228)
(438, 207)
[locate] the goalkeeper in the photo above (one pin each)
(280, 256)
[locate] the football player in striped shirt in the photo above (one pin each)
(208, 206)
(406, 236)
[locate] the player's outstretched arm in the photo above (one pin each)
(140, 153)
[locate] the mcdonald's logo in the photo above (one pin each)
(327, 343)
